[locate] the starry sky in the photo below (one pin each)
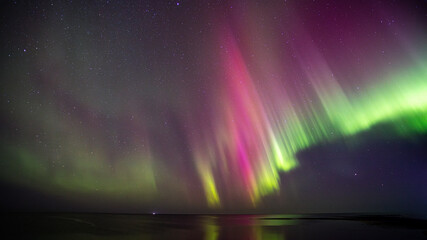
(214, 106)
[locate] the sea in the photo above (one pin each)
(211, 227)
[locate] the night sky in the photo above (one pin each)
(214, 106)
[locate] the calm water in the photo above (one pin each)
(212, 227)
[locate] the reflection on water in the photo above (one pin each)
(244, 226)
(212, 227)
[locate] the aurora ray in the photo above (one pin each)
(201, 106)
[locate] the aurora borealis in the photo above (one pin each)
(225, 106)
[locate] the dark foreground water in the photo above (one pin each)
(211, 227)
